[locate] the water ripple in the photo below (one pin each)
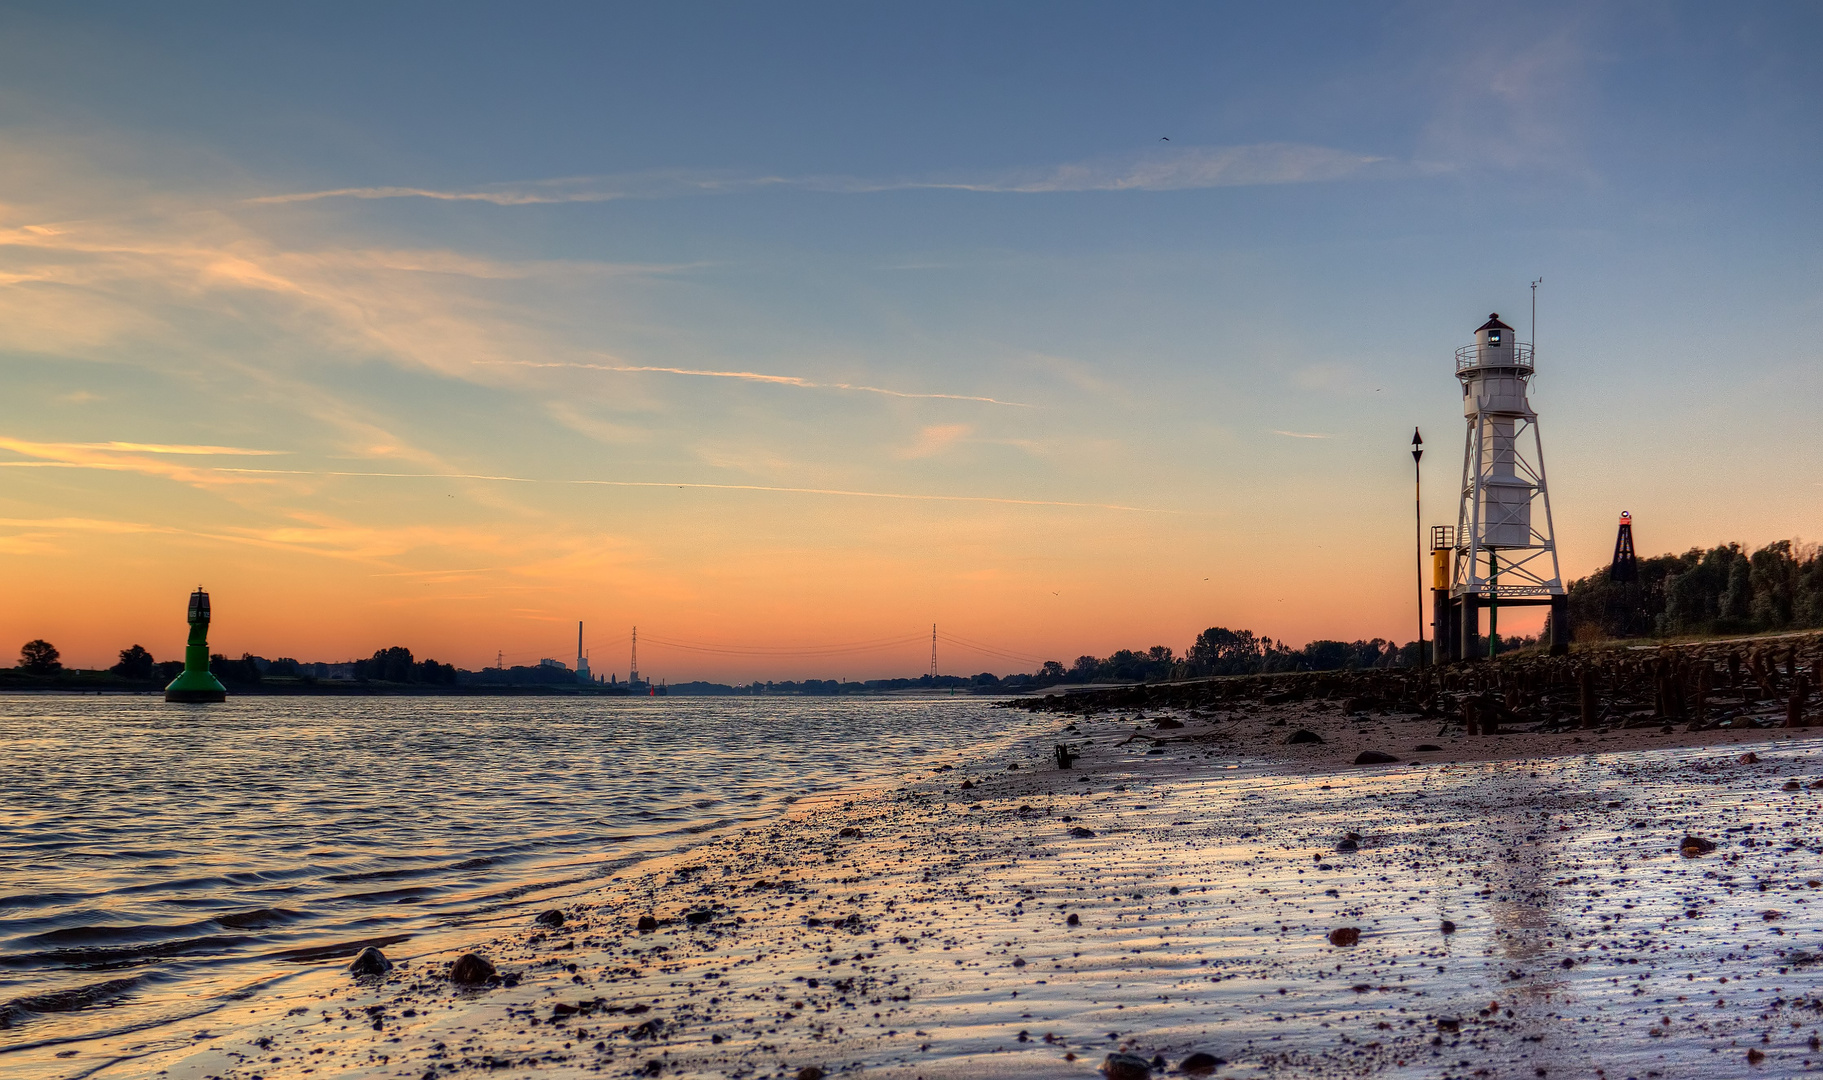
(208, 849)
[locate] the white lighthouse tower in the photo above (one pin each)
(1504, 552)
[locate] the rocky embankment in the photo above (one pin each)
(1703, 686)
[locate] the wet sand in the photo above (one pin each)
(925, 929)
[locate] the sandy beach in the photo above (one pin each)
(1524, 907)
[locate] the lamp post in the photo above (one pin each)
(1418, 500)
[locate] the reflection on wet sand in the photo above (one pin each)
(993, 921)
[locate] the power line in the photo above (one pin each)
(765, 651)
(990, 649)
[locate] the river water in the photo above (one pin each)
(155, 858)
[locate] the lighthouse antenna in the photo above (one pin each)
(1535, 285)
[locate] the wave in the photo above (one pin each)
(124, 955)
(76, 997)
(334, 951)
(258, 919)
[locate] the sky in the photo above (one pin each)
(786, 331)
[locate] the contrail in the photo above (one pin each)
(756, 376)
(844, 492)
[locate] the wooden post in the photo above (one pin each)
(1703, 675)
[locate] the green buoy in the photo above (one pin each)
(197, 683)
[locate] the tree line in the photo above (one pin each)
(1718, 590)
(1221, 651)
(42, 659)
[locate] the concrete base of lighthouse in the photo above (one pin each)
(1456, 624)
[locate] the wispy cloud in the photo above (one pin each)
(685, 485)
(934, 440)
(498, 198)
(755, 376)
(128, 457)
(146, 448)
(1185, 169)
(1302, 434)
(1175, 169)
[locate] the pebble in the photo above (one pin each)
(1126, 1067)
(1304, 736)
(1344, 935)
(552, 918)
(471, 969)
(646, 924)
(1375, 757)
(1200, 1064)
(370, 961)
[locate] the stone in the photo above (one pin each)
(850, 833)
(470, 969)
(551, 918)
(1791, 785)
(646, 924)
(1126, 1067)
(370, 961)
(1448, 927)
(1081, 833)
(1167, 722)
(1200, 1064)
(1073, 920)
(1344, 936)
(1348, 844)
(698, 918)
(1692, 847)
(1426, 748)
(1375, 757)
(1304, 737)
(1749, 758)
(810, 1072)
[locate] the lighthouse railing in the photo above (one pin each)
(1483, 356)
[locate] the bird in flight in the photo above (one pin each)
(1164, 138)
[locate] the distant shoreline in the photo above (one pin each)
(85, 685)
